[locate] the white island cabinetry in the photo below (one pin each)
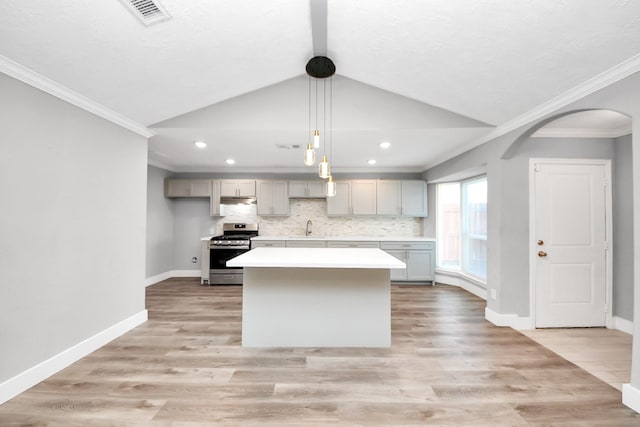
(316, 297)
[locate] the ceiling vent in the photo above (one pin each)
(287, 146)
(147, 11)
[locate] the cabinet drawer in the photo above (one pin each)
(352, 244)
(407, 245)
(306, 244)
(267, 244)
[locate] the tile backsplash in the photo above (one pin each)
(323, 225)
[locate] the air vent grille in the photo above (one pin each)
(287, 146)
(147, 11)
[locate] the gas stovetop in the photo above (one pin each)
(236, 235)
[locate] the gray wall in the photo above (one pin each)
(191, 221)
(623, 229)
(508, 207)
(160, 213)
(73, 190)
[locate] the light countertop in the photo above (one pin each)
(316, 258)
(349, 238)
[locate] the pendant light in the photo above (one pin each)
(331, 187)
(330, 191)
(310, 153)
(321, 67)
(324, 169)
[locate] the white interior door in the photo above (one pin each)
(570, 244)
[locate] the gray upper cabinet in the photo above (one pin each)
(414, 198)
(340, 204)
(363, 197)
(389, 198)
(214, 201)
(355, 197)
(187, 188)
(237, 188)
(272, 197)
(307, 189)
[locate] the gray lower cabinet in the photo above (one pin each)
(267, 244)
(351, 244)
(306, 244)
(418, 256)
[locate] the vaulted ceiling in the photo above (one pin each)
(431, 77)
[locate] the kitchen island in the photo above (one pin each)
(316, 297)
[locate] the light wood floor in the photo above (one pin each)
(604, 353)
(447, 366)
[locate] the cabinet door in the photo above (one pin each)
(176, 188)
(267, 244)
(340, 204)
(306, 244)
(398, 273)
(297, 189)
(420, 265)
(214, 201)
(200, 188)
(316, 189)
(280, 198)
(246, 188)
(264, 198)
(352, 244)
(389, 198)
(414, 198)
(228, 188)
(363, 197)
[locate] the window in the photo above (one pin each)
(462, 226)
(448, 222)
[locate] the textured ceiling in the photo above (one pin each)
(432, 76)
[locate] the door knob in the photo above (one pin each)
(540, 242)
(542, 254)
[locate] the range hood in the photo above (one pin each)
(237, 200)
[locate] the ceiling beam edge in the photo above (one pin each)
(319, 27)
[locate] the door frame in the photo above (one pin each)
(608, 233)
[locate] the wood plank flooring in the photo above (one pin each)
(447, 366)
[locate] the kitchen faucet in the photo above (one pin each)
(308, 231)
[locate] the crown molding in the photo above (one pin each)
(594, 84)
(161, 165)
(30, 77)
(547, 132)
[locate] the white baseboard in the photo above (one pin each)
(157, 278)
(32, 376)
(623, 325)
(512, 320)
(631, 397)
(468, 284)
(169, 274)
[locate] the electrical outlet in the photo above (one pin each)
(194, 260)
(494, 294)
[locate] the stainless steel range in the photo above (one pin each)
(235, 240)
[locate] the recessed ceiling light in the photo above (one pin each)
(200, 144)
(385, 145)
(371, 162)
(230, 161)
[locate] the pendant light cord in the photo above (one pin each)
(324, 114)
(331, 118)
(309, 135)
